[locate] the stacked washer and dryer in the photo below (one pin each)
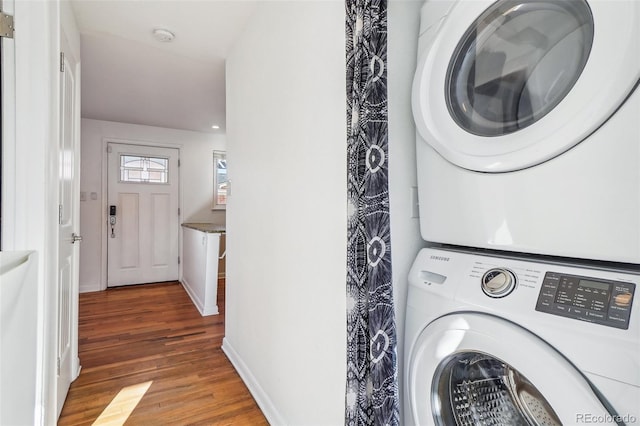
(523, 311)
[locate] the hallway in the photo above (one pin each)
(152, 335)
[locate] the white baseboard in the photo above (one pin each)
(204, 310)
(87, 288)
(264, 402)
(77, 368)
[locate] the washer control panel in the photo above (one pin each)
(588, 299)
(498, 282)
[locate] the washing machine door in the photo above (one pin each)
(476, 369)
(508, 84)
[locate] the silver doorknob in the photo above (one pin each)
(75, 237)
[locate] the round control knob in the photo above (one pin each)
(498, 282)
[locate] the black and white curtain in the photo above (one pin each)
(372, 385)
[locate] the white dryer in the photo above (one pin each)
(528, 126)
(505, 341)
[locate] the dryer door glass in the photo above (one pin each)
(516, 62)
(473, 388)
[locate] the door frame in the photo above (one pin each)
(65, 46)
(104, 235)
(8, 129)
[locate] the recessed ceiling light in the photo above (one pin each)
(163, 35)
(215, 126)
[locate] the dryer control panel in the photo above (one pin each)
(588, 299)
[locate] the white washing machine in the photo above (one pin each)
(528, 126)
(506, 341)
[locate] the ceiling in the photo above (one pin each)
(129, 77)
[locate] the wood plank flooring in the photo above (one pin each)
(132, 335)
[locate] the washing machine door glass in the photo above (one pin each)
(473, 388)
(467, 369)
(516, 62)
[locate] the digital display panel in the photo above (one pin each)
(594, 284)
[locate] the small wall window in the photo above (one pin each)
(136, 169)
(220, 182)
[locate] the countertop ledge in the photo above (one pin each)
(210, 228)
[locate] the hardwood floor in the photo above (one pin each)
(130, 336)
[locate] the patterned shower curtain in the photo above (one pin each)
(372, 385)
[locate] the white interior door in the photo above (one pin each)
(142, 236)
(68, 226)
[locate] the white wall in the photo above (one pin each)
(403, 28)
(286, 262)
(196, 175)
(31, 187)
(286, 240)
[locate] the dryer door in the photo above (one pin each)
(471, 369)
(509, 84)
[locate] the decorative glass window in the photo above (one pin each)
(134, 168)
(220, 182)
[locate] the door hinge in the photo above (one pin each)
(178, 162)
(178, 211)
(6, 25)
(178, 260)
(109, 149)
(59, 214)
(61, 61)
(58, 366)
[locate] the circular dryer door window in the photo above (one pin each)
(509, 84)
(516, 63)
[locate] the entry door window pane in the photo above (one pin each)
(137, 169)
(516, 62)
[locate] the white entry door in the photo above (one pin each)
(68, 226)
(143, 209)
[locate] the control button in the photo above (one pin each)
(615, 316)
(578, 312)
(597, 315)
(622, 299)
(498, 282)
(622, 315)
(618, 308)
(547, 302)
